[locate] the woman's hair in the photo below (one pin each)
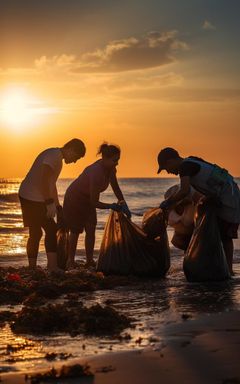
(109, 150)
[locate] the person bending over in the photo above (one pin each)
(39, 199)
(212, 181)
(82, 198)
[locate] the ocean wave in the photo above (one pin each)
(9, 198)
(13, 230)
(10, 215)
(10, 181)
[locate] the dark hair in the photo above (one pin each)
(109, 150)
(77, 145)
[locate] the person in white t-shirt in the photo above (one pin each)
(39, 199)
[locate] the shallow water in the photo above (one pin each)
(151, 303)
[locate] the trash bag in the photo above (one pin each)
(205, 259)
(181, 240)
(154, 222)
(126, 249)
(62, 247)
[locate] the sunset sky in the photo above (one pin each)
(143, 74)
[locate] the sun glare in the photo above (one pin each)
(18, 108)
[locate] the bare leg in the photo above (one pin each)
(35, 234)
(73, 239)
(228, 249)
(50, 229)
(89, 243)
(52, 261)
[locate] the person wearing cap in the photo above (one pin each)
(210, 180)
(39, 199)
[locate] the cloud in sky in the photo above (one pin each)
(208, 26)
(153, 50)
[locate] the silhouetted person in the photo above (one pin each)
(39, 199)
(212, 181)
(82, 199)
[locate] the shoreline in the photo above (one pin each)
(204, 350)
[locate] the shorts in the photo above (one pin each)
(34, 213)
(78, 214)
(227, 230)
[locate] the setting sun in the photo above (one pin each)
(16, 107)
(19, 108)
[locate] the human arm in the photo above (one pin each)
(49, 195)
(94, 192)
(179, 195)
(119, 195)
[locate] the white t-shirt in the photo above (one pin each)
(31, 186)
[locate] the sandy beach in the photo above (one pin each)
(200, 351)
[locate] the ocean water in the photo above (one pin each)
(153, 303)
(140, 194)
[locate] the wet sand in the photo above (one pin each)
(204, 350)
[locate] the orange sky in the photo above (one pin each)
(143, 87)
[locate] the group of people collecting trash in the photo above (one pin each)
(203, 185)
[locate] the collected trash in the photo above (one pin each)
(154, 222)
(205, 259)
(181, 216)
(15, 277)
(126, 249)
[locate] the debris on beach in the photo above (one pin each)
(186, 316)
(75, 320)
(106, 369)
(33, 288)
(66, 372)
(51, 356)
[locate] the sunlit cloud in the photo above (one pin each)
(208, 26)
(153, 50)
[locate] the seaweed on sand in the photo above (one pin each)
(76, 319)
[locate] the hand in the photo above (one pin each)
(116, 207)
(164, 204)
(51, 210)
(126, 210)
(60, 220)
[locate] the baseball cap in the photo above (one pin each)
(164, 155)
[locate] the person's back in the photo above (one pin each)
(213, 181)
(31, 186)
(93, 174)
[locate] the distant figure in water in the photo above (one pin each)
(39, 199)
(212, 181)
(82, 198)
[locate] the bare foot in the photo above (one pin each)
(90, 264)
